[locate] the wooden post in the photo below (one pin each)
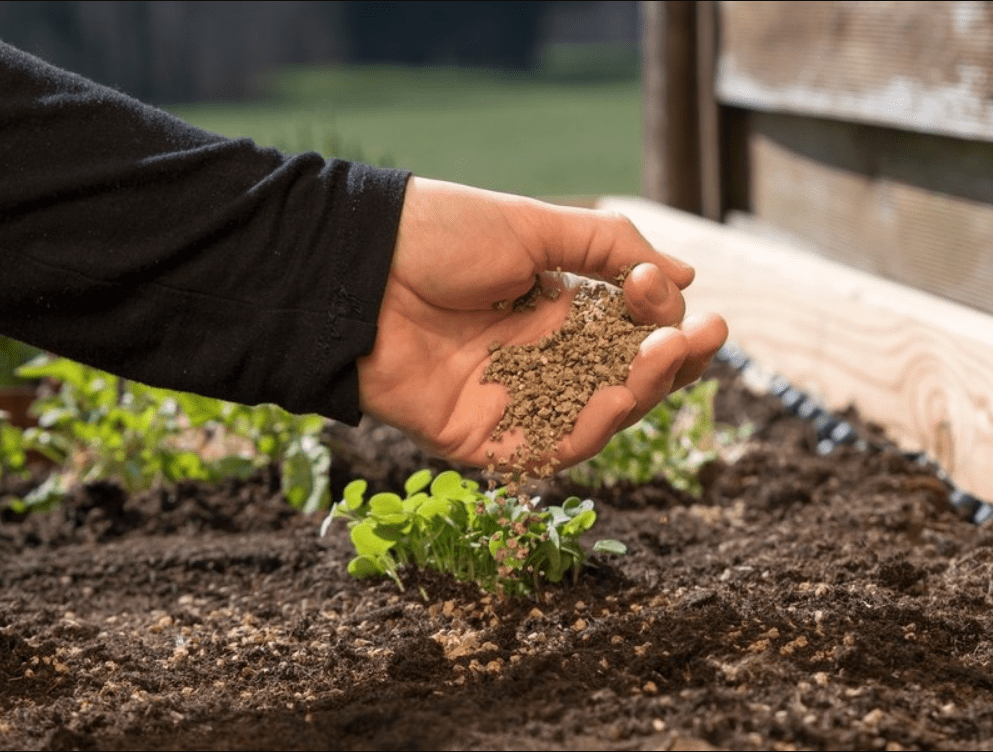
(671, 173)
(712, 201)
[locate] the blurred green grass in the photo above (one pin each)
(571, 129)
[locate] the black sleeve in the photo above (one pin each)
(136, 243)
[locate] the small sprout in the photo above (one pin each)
(674, 440)
(448, 524)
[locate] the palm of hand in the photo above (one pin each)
(428, 365)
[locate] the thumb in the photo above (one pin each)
(652, 297)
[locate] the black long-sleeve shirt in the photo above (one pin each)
(139, 244)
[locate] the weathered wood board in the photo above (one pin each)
(914, 208)
(917, 364)
(923, 66)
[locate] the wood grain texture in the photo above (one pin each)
(923, 66)
(914, 208)
(917, 364)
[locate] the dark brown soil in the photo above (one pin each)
(806, 602)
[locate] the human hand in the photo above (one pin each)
(462, 250)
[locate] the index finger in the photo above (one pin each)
(603, 244)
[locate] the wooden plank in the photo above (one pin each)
(924, 66)
(671, 172)
(914, 363)
(711, 188)
(914, 208)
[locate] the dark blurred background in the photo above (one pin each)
(181, 51)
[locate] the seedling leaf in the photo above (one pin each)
(579, 524)
(417, 482)
(372, 540)
(610, 547)
(383, 505)
(364, 566)
(449, 485)
(354, 493)
(435, 507)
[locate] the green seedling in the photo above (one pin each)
(13, 457)
(674, 440)
(95, 426)
(508, 545)
(12, 355)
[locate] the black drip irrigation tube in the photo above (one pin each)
(833, 431)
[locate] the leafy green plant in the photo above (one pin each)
(98, 426)
(674, 440)
(15, 443)
(13, 457)
(507, 544)
(12, 355)
(292, 442)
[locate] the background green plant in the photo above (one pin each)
(13, 457)
(506, 544)
(674, 440)
(96, 426)
(14, 354)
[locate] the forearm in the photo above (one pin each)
(134, 242)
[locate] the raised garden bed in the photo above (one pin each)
(805, 601)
